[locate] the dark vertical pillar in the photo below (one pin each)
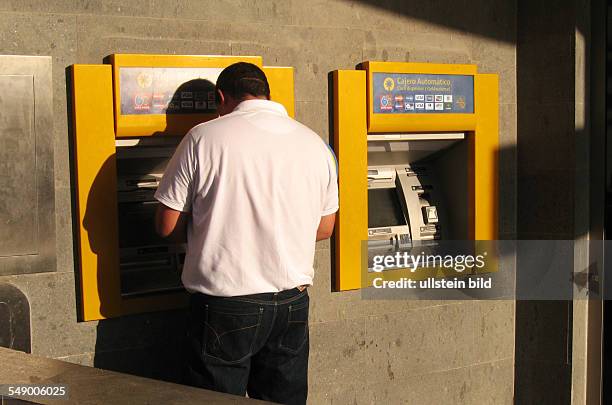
(546, 167)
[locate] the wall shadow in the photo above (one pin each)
(151, 344)
(461, 15)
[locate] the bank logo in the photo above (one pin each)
(389, 84)
(144, 80)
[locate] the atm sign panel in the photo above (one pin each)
(409, 93)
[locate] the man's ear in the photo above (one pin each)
(220, 97)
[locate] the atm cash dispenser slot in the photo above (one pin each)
(148, 264)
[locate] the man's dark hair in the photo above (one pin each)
(242, 79)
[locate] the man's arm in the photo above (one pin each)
(326, 226)
(171, 223)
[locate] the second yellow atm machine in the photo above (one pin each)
(417, 151)
(128, 117)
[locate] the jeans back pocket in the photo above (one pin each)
(296, 333)
(229, 335)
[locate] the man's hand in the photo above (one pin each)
(326, 227)
(171, 223)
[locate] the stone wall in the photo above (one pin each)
(362, 351)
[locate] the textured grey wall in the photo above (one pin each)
(362, 351)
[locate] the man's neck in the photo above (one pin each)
(251, 97)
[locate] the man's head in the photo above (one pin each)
(238, 82)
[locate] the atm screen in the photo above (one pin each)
(384, 208)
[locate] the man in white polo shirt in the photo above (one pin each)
(253, 190)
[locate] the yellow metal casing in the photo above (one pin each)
(96, 183)
(350, 145)
(281, 84)
(353, 94)
(143, 125)
(95, 180)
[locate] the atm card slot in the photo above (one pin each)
(136, 196)
(146, 264)
(422, 189)
(416, 171)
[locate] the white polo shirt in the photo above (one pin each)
(257, 183)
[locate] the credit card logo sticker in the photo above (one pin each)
(409, 106)
(399, 102)
(439, 106)
(141, 102)
(419, 106)
(460, 103)
(419, 97)
(385, 102)
(429, 98)
(439, 98)
(429, 106)
(159, 100)
(448, 98)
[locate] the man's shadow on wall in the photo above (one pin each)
(148, 344)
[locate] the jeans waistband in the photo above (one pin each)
(287, 295)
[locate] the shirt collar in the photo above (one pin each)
(261, 105)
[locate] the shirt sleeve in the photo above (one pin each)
(330, 198)
(175, 189)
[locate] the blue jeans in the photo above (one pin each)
(255, 344)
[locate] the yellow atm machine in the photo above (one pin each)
(129, 115)
(417, 151)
